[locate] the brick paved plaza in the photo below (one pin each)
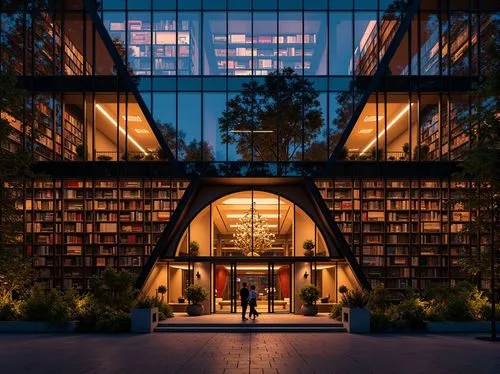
(247, 353)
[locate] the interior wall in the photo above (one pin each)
(346, 278)
(175, 285)
(200, 231)
(304, 230)
(328, 285)
(299, 281)
(204, 281)
(104, 144)
(157, 278)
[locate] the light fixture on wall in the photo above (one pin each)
(198, 275)
(306, 274)
(112, 120)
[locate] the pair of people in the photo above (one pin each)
(248, 298)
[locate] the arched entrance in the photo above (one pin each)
(228, 235)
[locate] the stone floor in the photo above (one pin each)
(235, 319)
(247, 353)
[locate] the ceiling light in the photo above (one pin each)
(353, 149)
(132, 118)
(111, 119)
(142, 131)
(249, 200)
(240, 215)
(365, 131)
(250, 131)
(268, 225)
(373, 118)
(393, 122)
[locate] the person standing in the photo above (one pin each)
(244, 294)
(253, 302)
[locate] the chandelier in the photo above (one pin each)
(252, 234)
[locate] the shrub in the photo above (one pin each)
(343, 289)
(379, 299)
(113, 289)
(336, 312)
(196, 294)
(356, 298)
(9, 311)
(114, 321)
(409, 313)
(45, 306)
(379, 322)
(309, 293)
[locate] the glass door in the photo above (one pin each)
(280, 282)
(226, 291)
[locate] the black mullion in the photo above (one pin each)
(385, 233)
(202, 94)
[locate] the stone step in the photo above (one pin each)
(248, 328)
(251, 324)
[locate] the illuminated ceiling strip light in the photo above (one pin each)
(236, 225)
(111, 119)
(255, 267)
(254, 131)
(266, 215)
(393, 122)
(256, 200)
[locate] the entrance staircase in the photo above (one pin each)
(264, 323)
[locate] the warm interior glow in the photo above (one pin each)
(252, 267)
(111, 119)
(249, 201)
(392, 123)
(269, 225)
(240, 215)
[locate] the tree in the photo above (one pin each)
(199, 151)
(273, 120)
(15, 170)
(480, 165)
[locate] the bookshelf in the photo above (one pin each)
(78, 227)
(242, 54)
(403, 232)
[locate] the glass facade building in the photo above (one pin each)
(135, 108)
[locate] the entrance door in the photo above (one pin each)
(272, 283)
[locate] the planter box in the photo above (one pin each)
(37, 327)
(448, 326)
(144, 320)
(356, 320)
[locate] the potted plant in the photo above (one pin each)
(308, 246)
(196, 294)
(421, 153)
(144, 316)
(194, 248)
(104, 158)
(309, 293)
(355, 316)
(162, 290)
(406, 151)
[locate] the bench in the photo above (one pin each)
(277, 303)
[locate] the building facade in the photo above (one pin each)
(205, 142)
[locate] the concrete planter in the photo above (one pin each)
(309, 310)
(356, 320)
(144, 320)
(194, 310)
(37, 327)
(460, 327)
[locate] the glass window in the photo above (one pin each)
(315, 137)
(139, 43)
(239, 39)
(459, 44)
(291, 42)
(265, 44)
(264, 4)
(189, 125)
(341, 43)
(166, 119)
(315, 43)
(341, 111)
(214, 105)
(164, 43)
(188, 44)
(365, 43)
(430, 45)
(214, 43)
(115, 24)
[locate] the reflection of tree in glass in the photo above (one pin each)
(271, 121)
(176, 140)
